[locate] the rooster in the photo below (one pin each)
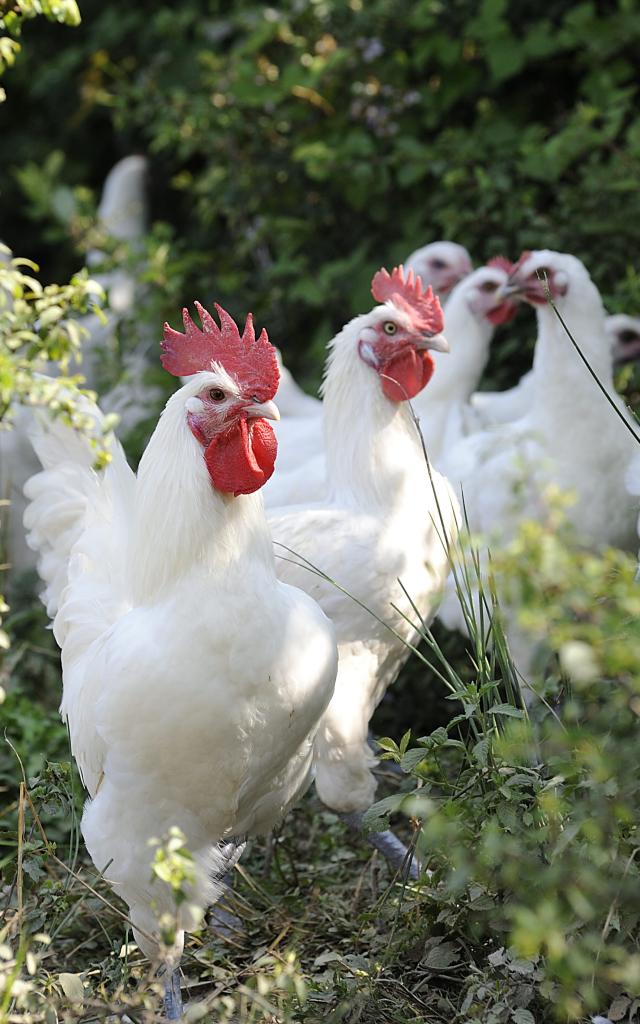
(569, 436)
(381, 531)
(194, 680)
(440, 265)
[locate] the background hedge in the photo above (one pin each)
(296, 148)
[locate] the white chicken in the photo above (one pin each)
(503, 406)
(194, 680)
(439, 265)
(383, 526)
(624, 332)
(122, 214)
(477, 304)
(569, 435)
(302, 469)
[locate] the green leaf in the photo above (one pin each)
(440, 957)
(506, 709)
(387, 744)
(523, 1016)
(480, 751)
(376, 818)
(412, 759)
(404, 742)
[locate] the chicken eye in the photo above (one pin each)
(627, 336)
(489, 286)
(390, 327)
(217, 395)
(438, 264)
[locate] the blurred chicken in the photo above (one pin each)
(624, 332)
(502, 406)
(441, 265)
(382, 526)
(477, 304)
(569, 436)
(122, 214)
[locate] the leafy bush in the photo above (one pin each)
(38, 328)
(530, 827)
(296, 148)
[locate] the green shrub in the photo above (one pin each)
(296, 148)
(530, 826)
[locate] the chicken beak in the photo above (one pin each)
(263, 411)
(512, 289)
(437, 342)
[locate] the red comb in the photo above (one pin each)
(502, 263)
(406, 292)
(252, 361)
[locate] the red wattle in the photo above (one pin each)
(404, 375)
(502, 314)
(241, 460)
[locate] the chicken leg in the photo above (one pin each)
(172, 994)
(225, 923)
(392, 849)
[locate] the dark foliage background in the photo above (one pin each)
(296, 148)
